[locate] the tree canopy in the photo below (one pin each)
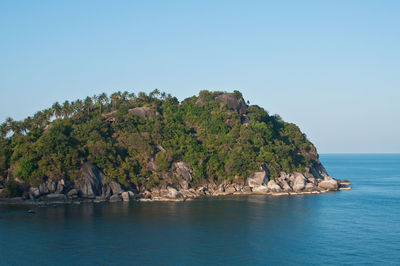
(136, 138)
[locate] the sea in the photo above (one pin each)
(356, 227)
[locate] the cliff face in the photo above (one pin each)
(152, 147)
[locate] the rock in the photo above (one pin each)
(34, 191)
(132, 195)
(231, 101)
(273, 186)
(51, 185)
(60, 186)
(221, 188)
(246, 189)
(125, 196)
(257, 179)
(143, 112)
(238, 187)
(310, 187)
(229, 189)
(329, 184)
(115, 198)
(299, 182)
(184, 172)
(260, 189)
(318, 171)
(55, 197)
(283, 183)
(43, 189)
(90, 184)
(173, 193)
(115, 187)
(73, 193)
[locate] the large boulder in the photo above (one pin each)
(257, 179)
(260, 189)
(282, 181)
(184, 172)
(115, 187)
(143, 112)
(55, 197)
(90, 184)
(115, 198)
(232, 102)
(329, 184)
(125, 196)
(273, 186)
(34, 191)
(299, 182)
(170, 192)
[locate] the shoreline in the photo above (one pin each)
(140, 198)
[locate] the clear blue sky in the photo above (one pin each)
(331, 67)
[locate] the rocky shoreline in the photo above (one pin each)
(95, 187)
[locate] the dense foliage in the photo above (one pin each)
(215, 140)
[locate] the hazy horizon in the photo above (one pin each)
(330, 67)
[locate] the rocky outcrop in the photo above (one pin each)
(299, 182)
(232, 102)
(143, 112)
(329, 184)
(95, 183)
(95, 186)
(273, 186)
(184, 173)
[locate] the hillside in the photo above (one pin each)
(152, 146)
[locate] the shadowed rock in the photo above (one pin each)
(231, 101)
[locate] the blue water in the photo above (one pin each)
(361, 226)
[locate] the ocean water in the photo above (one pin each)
(361, 226)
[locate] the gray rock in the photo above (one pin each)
(125, 196)
(299, 182)
(260, 189)
(90, 184)
(318, 171)
(257, 179)
(184, 172)
(34, 191)
(115, 198)
(115, 187)
(60, 186)
(43, 189)
(310, 187)
(329, 184)
(229, 189)
(73, 193)
(51, 185)
(273, 186)
(247, 189)
(143, 112)
(282, 182)
(173, 193)
(55, 197)
(231, 101)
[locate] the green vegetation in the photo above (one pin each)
(217, 141)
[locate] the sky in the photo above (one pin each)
(331, 67)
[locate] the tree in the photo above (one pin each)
(57, 110)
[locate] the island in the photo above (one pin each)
(151, 147)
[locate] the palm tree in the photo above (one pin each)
(66, 109)
(4, 130)
(88, 104)
(155, 92)
(102, 99)
(115, 99)
(57, 109)
(78, 105)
